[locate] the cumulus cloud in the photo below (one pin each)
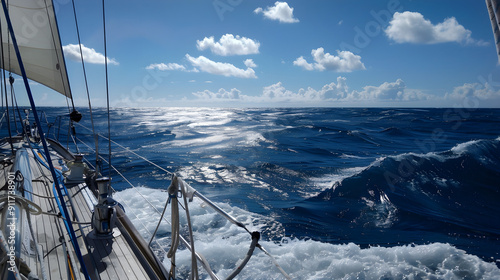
(302, 62)
(386, 91)
(249, 63)
(233, 94)
(475, 91)
(228, 45)
(345, 61)
(280, 11)
(329, 92)
(90, 55)
(338, 94)
(166, 67)
(277, 93)
(219, 68)
(204, 64)
(334, 93)
(412, 27)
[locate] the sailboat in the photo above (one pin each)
(58, 217)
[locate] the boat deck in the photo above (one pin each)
(105, 258)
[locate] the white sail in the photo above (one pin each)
(494, 13)
(37, 35)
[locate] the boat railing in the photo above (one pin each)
(179, 194)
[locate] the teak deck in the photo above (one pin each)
(115, 257)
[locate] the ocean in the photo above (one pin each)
(337, 193)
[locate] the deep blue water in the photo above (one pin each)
(387, 177)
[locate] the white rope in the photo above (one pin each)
(159, 221)
(172, 192)
(194, 265)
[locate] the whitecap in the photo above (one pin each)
(223, 244)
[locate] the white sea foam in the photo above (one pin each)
(224, 245)
(464, 147)
(327, 181)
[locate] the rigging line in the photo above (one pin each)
(134, 153)
(12, 92)
(14, 110)
(58, 215)
(73, 135)
(1, 119)
(129, 211)
(107, 86)
(274, 262)
(85, 78)
(38, 195)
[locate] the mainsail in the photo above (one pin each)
(495, 22)
(35, 26)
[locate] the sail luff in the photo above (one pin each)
(35, 26)
(494, 13)
(62, 60)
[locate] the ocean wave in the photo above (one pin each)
(458, 187)
(223, 245)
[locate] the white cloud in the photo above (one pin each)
(386, 91)
(476, 91)
(335, 93)
(219, 68)
(249, 63)
(302, 62)
(90, 55)
(412, 27)
(229, 45)
(277, 93)
(166, 67)
(280, 11)
(346, 61)
(329, 92)
(233, 94)
(204, 64)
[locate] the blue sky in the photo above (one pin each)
(242, 53)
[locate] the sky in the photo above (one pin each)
(252, 53)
